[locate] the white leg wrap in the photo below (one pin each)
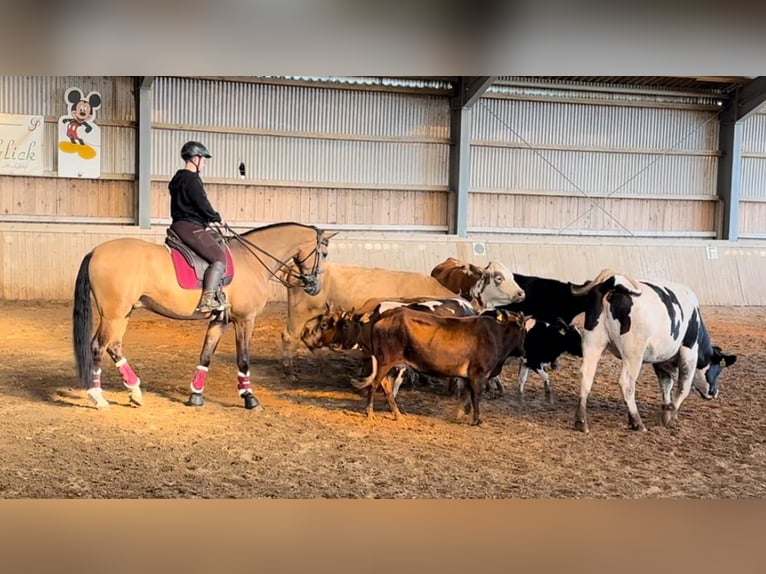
(97, 396)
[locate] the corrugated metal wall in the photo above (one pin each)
(304, 146)
(534, 164)
(753, 196)
(110, 199)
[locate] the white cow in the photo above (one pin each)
(657, 322)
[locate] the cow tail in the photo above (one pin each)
(363, 384)
(82, 323)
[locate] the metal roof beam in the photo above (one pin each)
(470, 89)
(751, 97)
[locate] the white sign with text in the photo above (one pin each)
(21, 144)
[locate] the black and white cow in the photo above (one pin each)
(544, 344)
(548, 299)
(656, 322)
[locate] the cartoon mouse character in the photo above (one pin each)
(82, 111)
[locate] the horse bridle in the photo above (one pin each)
(309, 280)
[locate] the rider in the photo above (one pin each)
(191, 212)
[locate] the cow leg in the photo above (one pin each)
(686, 370)
(371, 383)
(401, 374)
(464, 405)
(593, 345)
(288, 351)
(546, 383)
(666, 386)
(476, 386)
(523, 374)
(389, 384)
(498, 384)
(631, 368)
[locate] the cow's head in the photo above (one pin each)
(706, 379)
(347, 331)
(571, 336)
(319, 330)
(495, 286)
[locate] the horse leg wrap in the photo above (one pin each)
(243, 383)
(95, 382)
(129, 376)
(198, 382)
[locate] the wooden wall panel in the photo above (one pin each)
(62, 198)
(250, 205)
(752, 218)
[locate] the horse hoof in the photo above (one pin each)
(136, 398)
(252, 403)
(196, 400)
(581, 426)
(97, 398)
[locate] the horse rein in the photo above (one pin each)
(307, 280)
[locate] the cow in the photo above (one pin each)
(473, 348)
(343, 330)
(548, 299)
(489, 286)
(340, 329)
(656, 322)
(544, 344)
(349, 286)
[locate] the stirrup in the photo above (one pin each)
(207, 305)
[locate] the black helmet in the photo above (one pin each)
(191, 149)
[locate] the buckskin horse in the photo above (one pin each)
(127, 273)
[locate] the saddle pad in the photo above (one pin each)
(190, 277)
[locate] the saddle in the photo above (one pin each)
(190, 267)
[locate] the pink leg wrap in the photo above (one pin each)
(243, 383)
(95, 382)
(129, 376)
(198, 382)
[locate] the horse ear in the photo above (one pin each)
(329, 235)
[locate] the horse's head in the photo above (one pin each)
(310, 260)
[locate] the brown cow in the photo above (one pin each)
(473, 348)
(490, 286)
(347, 287)
(344, 330)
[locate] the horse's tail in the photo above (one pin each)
(82, 323)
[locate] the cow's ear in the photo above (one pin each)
(529, 323)
(728, 360)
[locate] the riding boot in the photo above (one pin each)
(213, 275)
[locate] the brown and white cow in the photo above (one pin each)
(347, 287)
(489, 286)
(472, 348)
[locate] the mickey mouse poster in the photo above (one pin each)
(79, 136)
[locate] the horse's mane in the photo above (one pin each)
(279, 224)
